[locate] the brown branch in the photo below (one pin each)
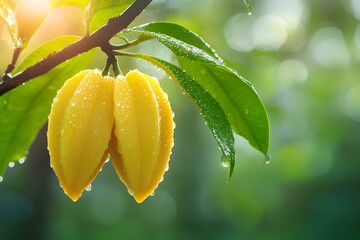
(96, 39)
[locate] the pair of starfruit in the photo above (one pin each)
(127, 118)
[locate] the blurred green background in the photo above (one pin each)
(303, 59)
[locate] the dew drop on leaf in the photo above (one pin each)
(1, 179)
(267, 159)
(225, 161)
(11, 164)
(22, 160)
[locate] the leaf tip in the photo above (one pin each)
(228, 163)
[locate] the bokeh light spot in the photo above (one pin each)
(238, 32)
(350, 103)
(328, 47)
(269, 32)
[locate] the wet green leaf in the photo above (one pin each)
(24, 110)
(210, 109)
(235, 95)
(180, 40)
(100, 11)
(248, 5)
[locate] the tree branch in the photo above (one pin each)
(97, 39)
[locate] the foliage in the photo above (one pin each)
(310, 86)
(24, 110)
(227, 101)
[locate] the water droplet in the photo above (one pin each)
(167, 167)
(130, 192)
(107, 159)
(249, 13)
(1, 179)
(152, 194)
(267, 159)
(88, 187)
(11, 164)
(225, 161)
(22, 160)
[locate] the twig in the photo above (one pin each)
(96, 39)
(15, 57)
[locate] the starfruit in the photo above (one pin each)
(128, 117)
(143, 133)
(79, 130)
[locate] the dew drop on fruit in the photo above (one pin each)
(130, 192)
(88, 187)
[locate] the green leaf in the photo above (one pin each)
(100, 11)
(239, 100)
(45, 50)
(24, 110)
(61, 3)
(248, 4)
(210, 109)
(180, 40)
(236, 95)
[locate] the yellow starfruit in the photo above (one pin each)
(79, 130)
(143, 131)
(128, 117)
